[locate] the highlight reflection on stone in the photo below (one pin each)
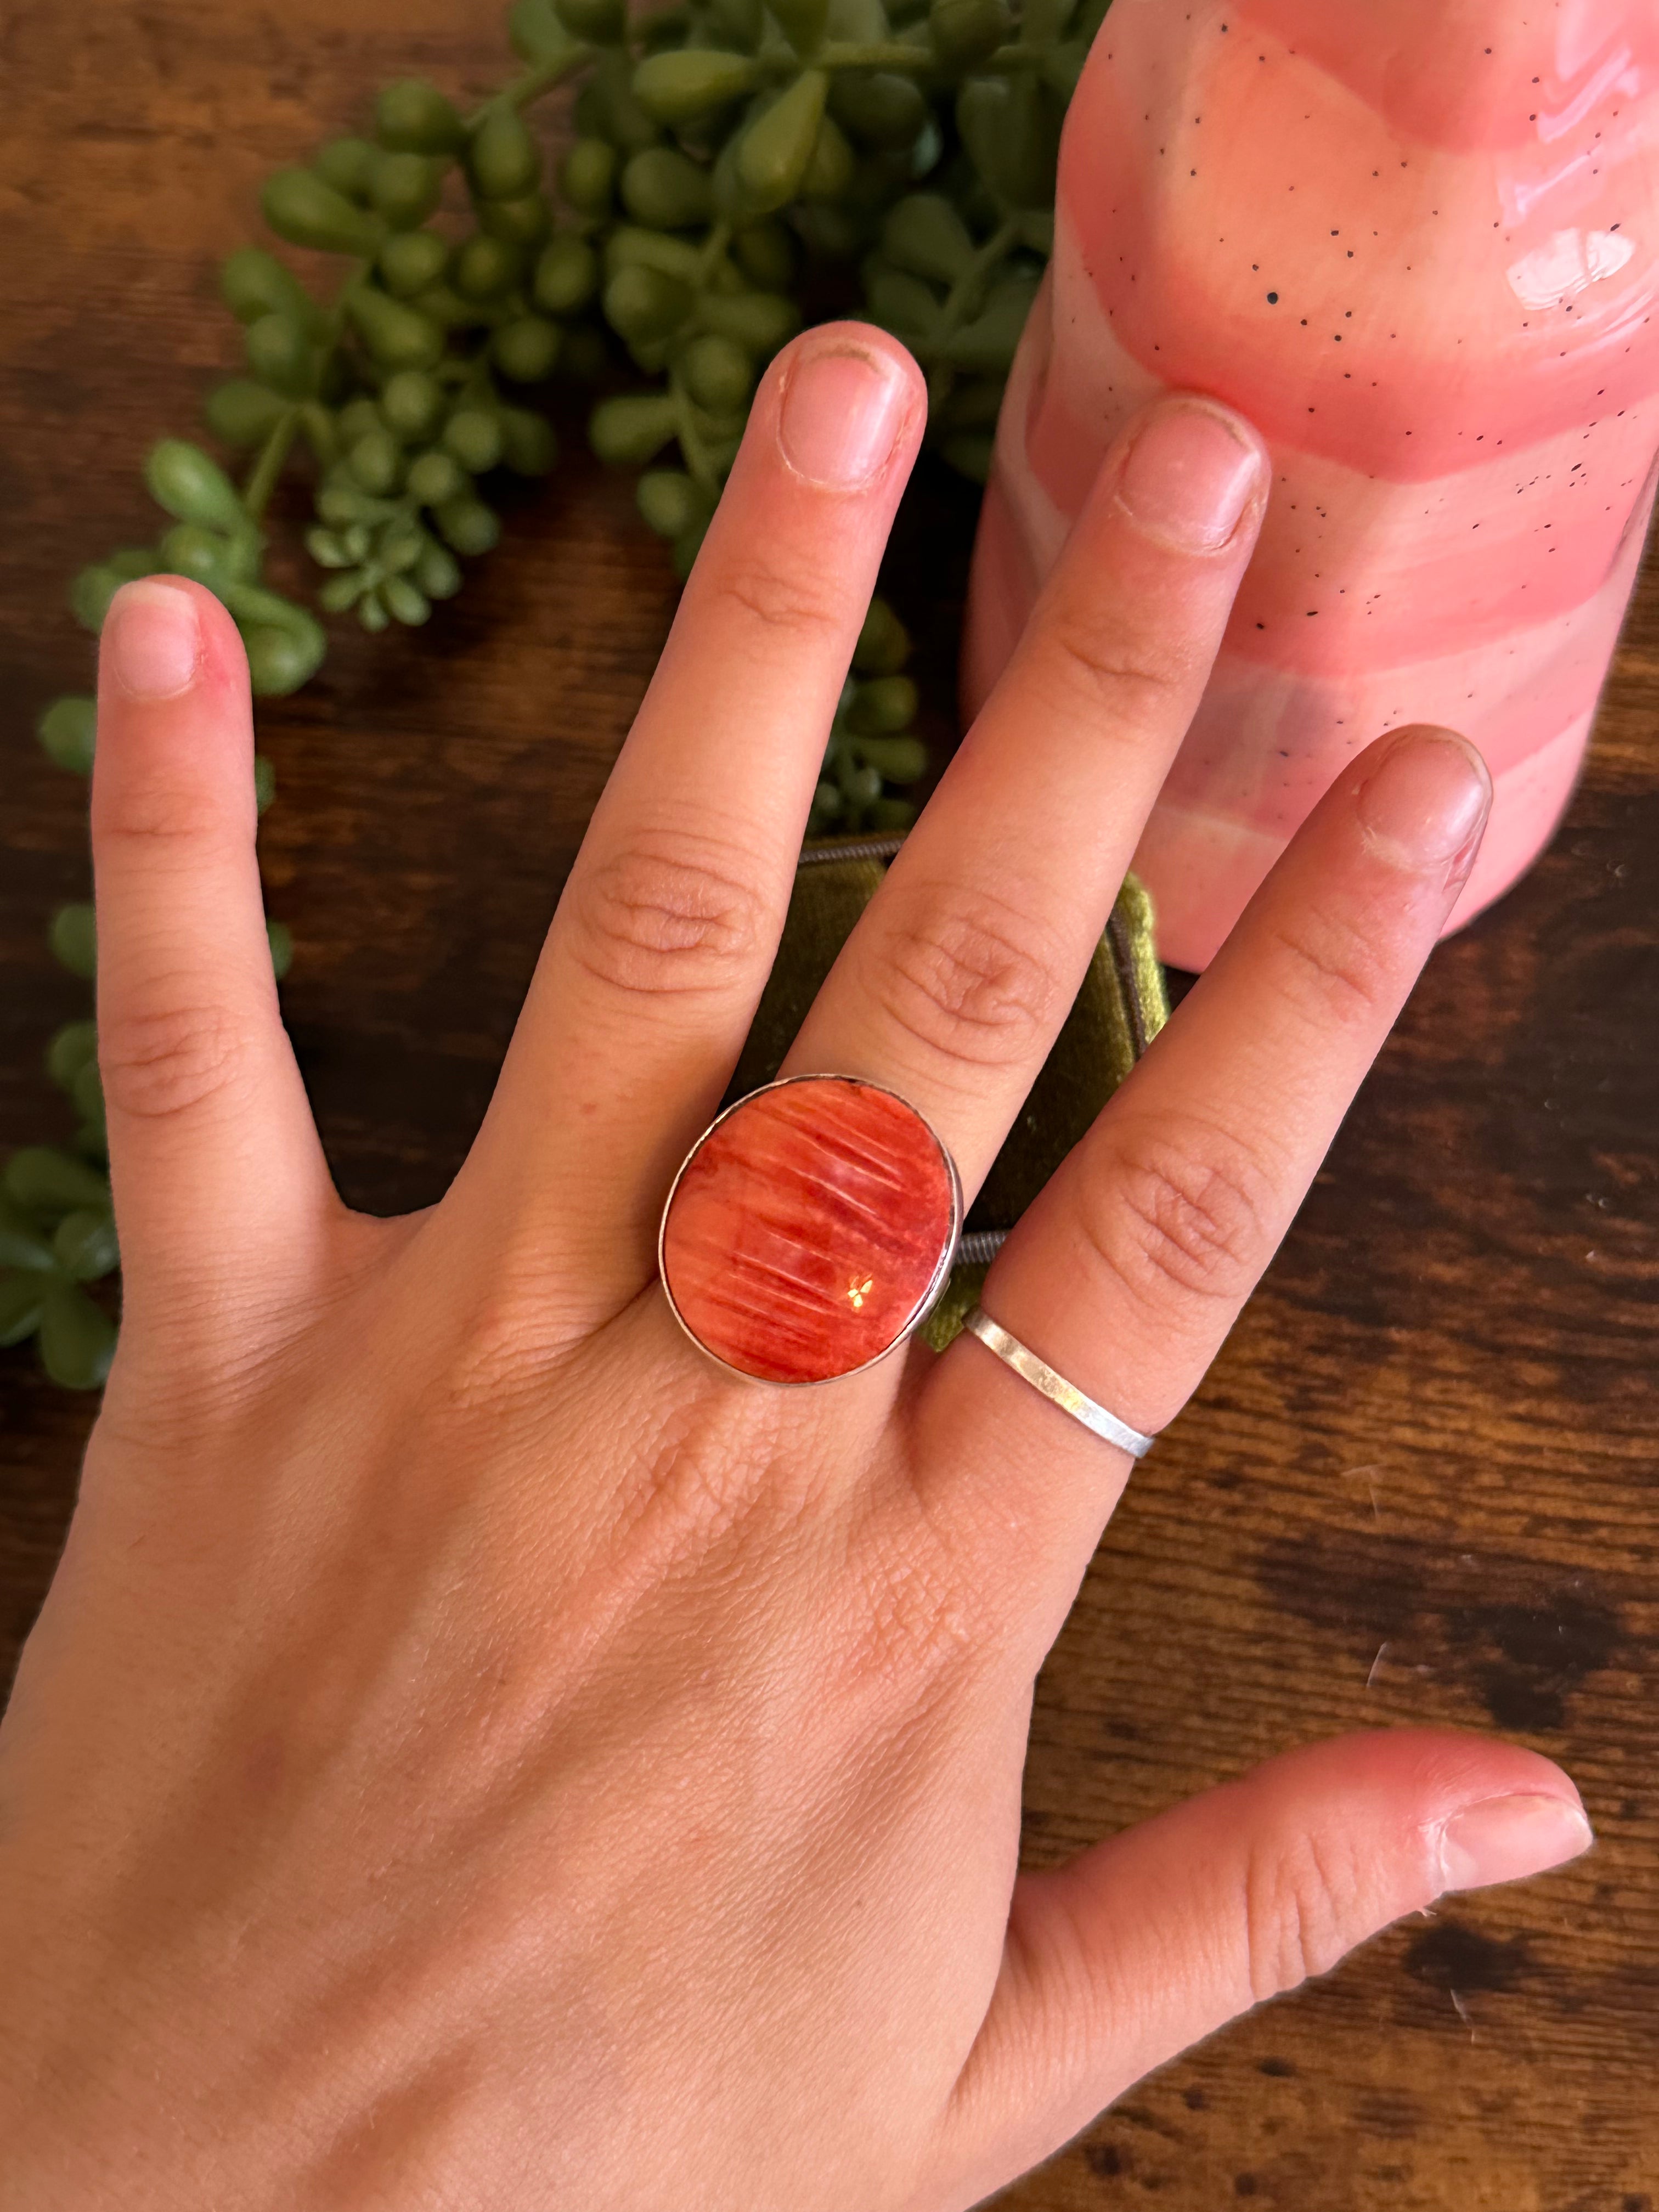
(807, 1228)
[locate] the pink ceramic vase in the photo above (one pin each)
(1417, 242)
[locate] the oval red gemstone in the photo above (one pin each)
(808, 1228)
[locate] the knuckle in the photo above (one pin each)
(966, 979)
(668, 917)
(484, 1394)
(1334, 970)
(1300, 1911)
(1184, 1209)
(162, 815)
(796, 602)
(718, 1483)
(505, 1342)
(1136, 680)
(912, 1622)
(169, 1060)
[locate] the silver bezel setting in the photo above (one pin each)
(929, 1298)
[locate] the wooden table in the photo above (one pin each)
(1418, 1487)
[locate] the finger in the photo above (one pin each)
(668, 927)
(1126, 1274)
(954, 985)
(218, 1175)
(1156, 1938)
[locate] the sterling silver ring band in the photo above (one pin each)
(1041, 1376)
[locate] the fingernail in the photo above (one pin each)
(843, 409)
(1506, 1838)
(1189, 476)
(1425, 806)
(152, 639)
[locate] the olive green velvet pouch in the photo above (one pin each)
(1119, 1011)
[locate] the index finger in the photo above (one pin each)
(218, 1175)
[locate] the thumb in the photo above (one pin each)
(1155, 1938)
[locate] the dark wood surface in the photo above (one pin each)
(1418, 1487)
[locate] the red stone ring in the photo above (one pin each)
(810, 1229)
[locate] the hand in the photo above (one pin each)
(475, 1752)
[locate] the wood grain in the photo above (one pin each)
(1420, 1484)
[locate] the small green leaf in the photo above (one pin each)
(209, 556)
(485, 267)
(472, 436)
(897, 760)
(528, 445)
(399, 335)
(883, 645)
(255, 283)
(587, 175)
(718, 373)
(435, 476)
(525, 348)
(883, 706)
(665, 190)
(281, 354)
(468, 526)
(524, 221)
(413, 117)
(285, 643)
(243, 412)
(502, 159)
(22, 1242)
(376, 460)
(70, 1049)
(761, 322)
(68, 731)
(633, 428)
(1011, 127)
(406, 188)
(644, 306)
(965, 32)
(348, 164)
(602, 23)
(437, 572)
(801, 21)
(75, 939)
(84, 1245)
(23, 1301)
(671, 503)
(880, 108)
(925, 235)
(566, 276)
(300, 208)
(406, 602)
(537, 34)
(409, 260)
(681, 86)
(278, 661)
(77, 1337)
(44, 1181)
(774, 152)
(987, 346)
(629, 246)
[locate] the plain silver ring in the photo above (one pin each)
(1059, 1392)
